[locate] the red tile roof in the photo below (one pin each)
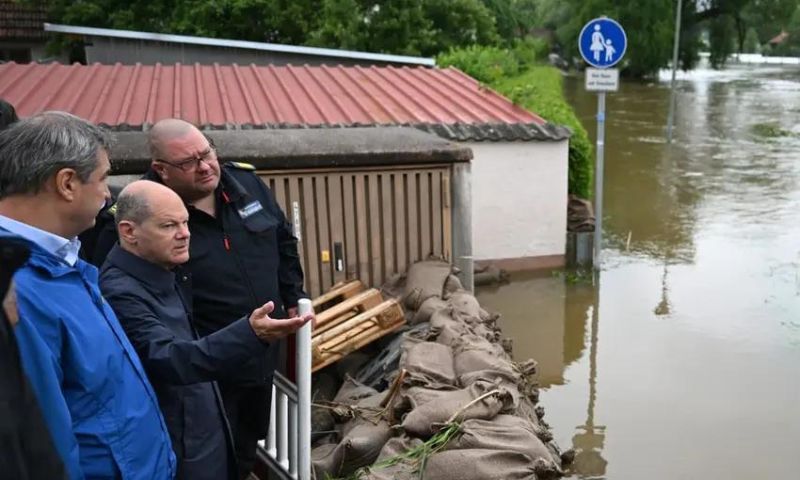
(21, 22)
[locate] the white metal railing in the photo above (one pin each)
(288, 442)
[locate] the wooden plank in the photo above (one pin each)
(387, 228)
(351, 214)
(310, 236)
(412, 213)
(338, 320)
(337, 226)
(362, 229)
(322, 203)
(362, 301)
(279, 190)
(364, 339)
(447, 231)
(426, 242)
(375, 231)
(338, 292)
(295, 195)
(436, 212)
(383, 314)
(400, 222)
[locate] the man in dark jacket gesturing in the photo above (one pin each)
(152, 298)
(243, 254)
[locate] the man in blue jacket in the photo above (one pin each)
(96, 399)
(143, 282)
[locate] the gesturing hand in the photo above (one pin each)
(268, 329)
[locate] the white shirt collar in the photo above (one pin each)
(61, 247)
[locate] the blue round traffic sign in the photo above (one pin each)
(602, 42)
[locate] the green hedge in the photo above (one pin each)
(517, 74)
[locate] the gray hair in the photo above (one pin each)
(131, 206)
(36, 148)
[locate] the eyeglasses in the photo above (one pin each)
(191, 164)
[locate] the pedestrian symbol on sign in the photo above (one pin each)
(602, 42)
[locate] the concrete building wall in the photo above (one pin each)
(519, 203)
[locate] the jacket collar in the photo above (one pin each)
(44, 260)
(146, 272)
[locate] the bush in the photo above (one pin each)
(485, 64)
(540, 90)
(530, 51)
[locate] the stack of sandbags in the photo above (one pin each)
(458, 369)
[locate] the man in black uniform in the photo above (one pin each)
(242, 254)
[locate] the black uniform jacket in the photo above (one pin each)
(152, 306)
(239, 260)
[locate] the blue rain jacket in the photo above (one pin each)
(93, 391)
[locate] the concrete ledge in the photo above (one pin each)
(306, 148)
(523, 264)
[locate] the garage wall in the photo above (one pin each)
(519, 204)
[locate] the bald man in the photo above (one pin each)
(144, 284)
(243, 254)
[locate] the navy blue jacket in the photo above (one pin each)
(153, 307)
(239, 260)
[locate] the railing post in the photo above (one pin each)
(271, 447)
(303, 377)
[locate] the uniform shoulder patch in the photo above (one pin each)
(242, 165)
(112, 209)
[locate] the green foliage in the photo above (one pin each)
(485, 64)
(720, 40)
(492, 64)
(540, 89)
(751, 41)
(770, 130)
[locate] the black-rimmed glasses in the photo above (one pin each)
(191, 164)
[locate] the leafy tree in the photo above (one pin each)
(720, 40)
(751, 41)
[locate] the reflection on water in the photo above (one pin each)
(683, 359)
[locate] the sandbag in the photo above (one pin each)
(404, 470)
(413, 397)
(424, 420)
(452, 284)
(424, 280)
(481, 359)
(326, 460)
(503, 432)
(359, 447)
(479, 464)
(428, 363)
(426, 309)
(465, 307)
(352, 391)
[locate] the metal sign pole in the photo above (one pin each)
(598, 178)
(675, 49)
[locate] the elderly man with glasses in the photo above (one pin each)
(243, 254)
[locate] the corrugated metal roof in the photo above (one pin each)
(133, 97)
(219, 42)
(21, 22)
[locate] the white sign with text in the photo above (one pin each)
(602, 80)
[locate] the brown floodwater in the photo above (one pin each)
(682, 359)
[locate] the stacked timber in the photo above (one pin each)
(348, 318)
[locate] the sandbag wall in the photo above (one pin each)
(450, 366)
